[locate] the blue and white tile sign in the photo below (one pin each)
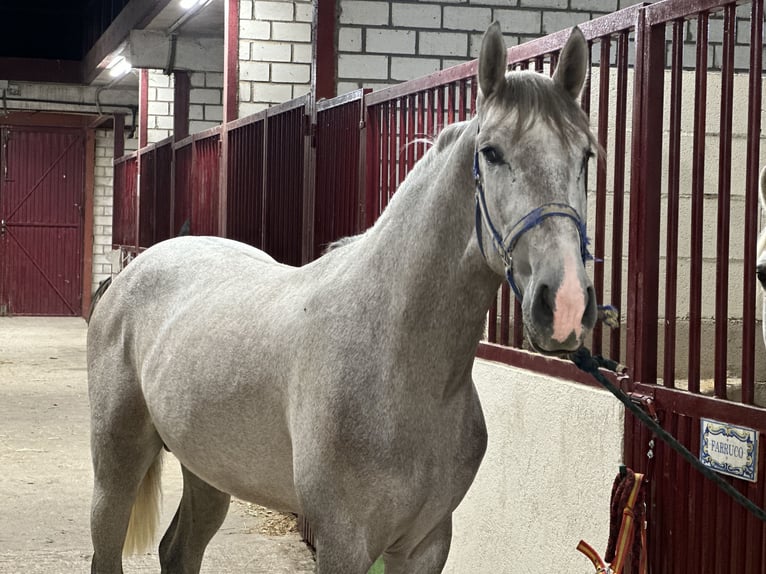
(729, 449)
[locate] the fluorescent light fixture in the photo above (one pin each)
(188, 4)
(119, 67)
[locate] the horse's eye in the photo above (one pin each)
(491, 155)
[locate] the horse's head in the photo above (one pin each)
(760, 264)
(532, 148)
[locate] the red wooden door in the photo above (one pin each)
(41, 220)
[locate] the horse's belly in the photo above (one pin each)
(238, 443)
(256, 472)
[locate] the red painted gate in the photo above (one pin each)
(41, 214)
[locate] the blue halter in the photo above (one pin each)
(505, 247)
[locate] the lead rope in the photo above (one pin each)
(586, 362)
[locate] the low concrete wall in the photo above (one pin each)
(554, 450)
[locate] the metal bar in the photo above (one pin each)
(755, 537)
(537, 362)
(518, 324)
(618, 199)
(181, 93)
(385, 161)
(420, 132)
(697, 203)
(324, 54)
(410, 134)
(671, 249)
(505, 314)
(143, 107)
(230, 60)
(393, 157)
(119, 134)
(751, 198)
(600, 232)
(724, 203)
(643, 261)
(492, 322)
(308, 188)
(364, 167)
(696, 511)
(680, 509)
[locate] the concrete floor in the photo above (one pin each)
(45, 469)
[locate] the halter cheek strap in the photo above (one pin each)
(504, 247)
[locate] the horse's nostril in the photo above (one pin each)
(545, 300)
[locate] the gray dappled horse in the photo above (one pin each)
(760, 267)
(342, 390)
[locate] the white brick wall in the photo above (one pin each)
(450, 31)
(274, 52)
(205, 101)
(102, 207)
(160, 108)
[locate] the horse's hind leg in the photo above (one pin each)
(124, 447)
(200, 514)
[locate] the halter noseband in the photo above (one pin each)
(505, 247)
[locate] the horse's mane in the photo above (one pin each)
(533, 97)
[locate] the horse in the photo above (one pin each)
(760, 265)
(342, 390)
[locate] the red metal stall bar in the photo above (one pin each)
(146, 196)
(163, 185)
(206, 181)
(155, 163)
(244, 182)
(124, 210)
(196, 182)
(338, 201)
(285, 192)
(687, 513)
(181, 196)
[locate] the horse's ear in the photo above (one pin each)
(762, 188)
(492, 62)
(573, 64)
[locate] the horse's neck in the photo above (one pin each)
(424, 249)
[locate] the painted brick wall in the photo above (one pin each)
(102, 207)
(381, 43)
(274, 52)
(160, 109)
(205, 103)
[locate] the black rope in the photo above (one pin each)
(589, 364)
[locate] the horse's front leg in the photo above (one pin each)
(427, 557)
(340, 549)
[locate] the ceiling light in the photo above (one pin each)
(188, 4)
(119, 67)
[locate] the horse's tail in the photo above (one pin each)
(102, 287)
(145, 515)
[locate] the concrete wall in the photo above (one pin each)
(545, 482)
